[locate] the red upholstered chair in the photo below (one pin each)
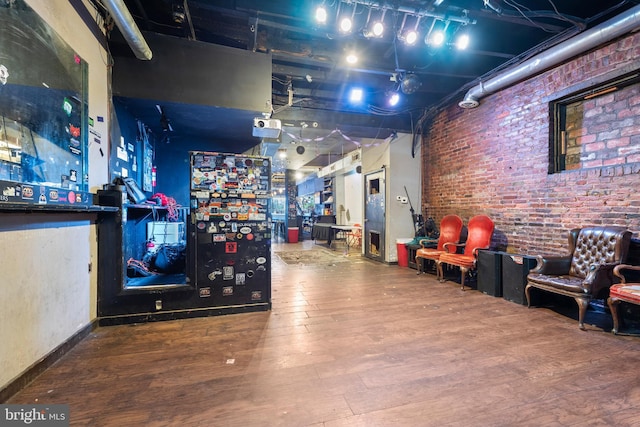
(450, 229)
(479, 233)
(622, 292)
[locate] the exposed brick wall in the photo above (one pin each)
(494, 160)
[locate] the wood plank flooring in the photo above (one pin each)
(352, 343)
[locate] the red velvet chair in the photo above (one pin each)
(450, 229)
(479, 233)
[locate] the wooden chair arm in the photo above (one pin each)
(422, 242)
(457, 245)
(617, 268)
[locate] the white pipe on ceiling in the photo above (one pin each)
(129, 29)
(620, 25)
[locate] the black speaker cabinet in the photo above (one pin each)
(490, 273)
(514, 277)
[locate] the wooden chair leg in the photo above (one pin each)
(463, 274)
(418, 265)
(613, 306)
(527, 294)
(583, 303)
(439, 273)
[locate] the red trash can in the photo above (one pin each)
(293, 235)
(403, 252)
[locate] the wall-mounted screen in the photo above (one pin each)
(43, 112)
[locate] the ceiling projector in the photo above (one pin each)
(266, 128)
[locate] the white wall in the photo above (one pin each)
(47, 293)
(353, 197)
(401, 170)
(404, 171)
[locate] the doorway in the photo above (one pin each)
(374, 215)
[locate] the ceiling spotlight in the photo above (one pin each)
(352, 58)
(462, 42)
(321, 15)
(377, 29)
(282, 153)
(436, 39)
(393, 99)
(345, 25)
(411, 37)
(356, 95)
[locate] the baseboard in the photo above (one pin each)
(40, 366)
(125, 319)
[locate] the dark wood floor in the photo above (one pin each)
(352, 343)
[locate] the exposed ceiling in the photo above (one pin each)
(311, 79)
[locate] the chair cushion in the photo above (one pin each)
(628, 292)
(428, 253)
(460, 260)
(565, 282)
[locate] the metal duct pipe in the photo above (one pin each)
(129, 29)
(624, 23)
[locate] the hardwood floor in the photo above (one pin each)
(352, 343)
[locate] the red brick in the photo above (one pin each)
(494, 159)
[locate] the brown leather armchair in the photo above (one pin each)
(587, 271)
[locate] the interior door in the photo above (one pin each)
(374, 215)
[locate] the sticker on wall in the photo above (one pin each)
(219, 238)
(245, 230)
(240, 278)
(256, 295)
(201, 226)
(227, 272)
(204, 292)
(212, 276)
(231, 248)
(250, 236)
(27, 192)
(227, 291)
(261, 260)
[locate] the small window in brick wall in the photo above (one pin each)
(596, 127)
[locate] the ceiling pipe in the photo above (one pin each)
(129, 29)
(624, 23)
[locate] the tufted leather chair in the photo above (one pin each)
(480, 231)
(587, 272)
(450, 229)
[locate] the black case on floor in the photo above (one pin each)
(514, 276)
(490, 273)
